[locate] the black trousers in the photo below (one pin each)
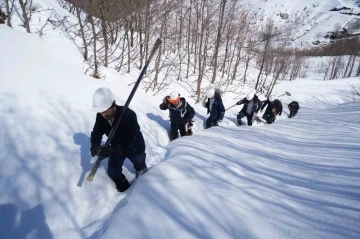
(242, 115)
(293, 112)
(210, 123)
(174, 131)
(116, 162)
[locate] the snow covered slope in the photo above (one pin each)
(294, 179)
(306, 21)
(301, 22)
(297, 178)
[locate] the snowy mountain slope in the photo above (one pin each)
(293, 179)
(303, 22)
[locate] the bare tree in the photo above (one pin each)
(230, 27)
(78, 14)
(9, 11)
(188, 39)
(239, 42)
(355, 89)
(96, 72)
(202, 47)
(24, 13)
(325, 68)
(268, 34)
(141, 40)
(158, 60)
(337, 65)
(297, 65)
(218, 38)
(128, 46)
(197, 30)
(358, 69)
(249, 55)
(148, 17)
(242, 27)
(349, 66)
(280, 67)
(104, 32)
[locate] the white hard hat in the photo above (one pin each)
(250, 95)
(103, 99)
(210, 92)
(174, 95)
(272, 98)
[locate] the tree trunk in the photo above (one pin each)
(262, 62)
(96, 73)
(132, 30)
(147, 30)
(8, 12)
(280, 69)
(82, 33)
(218, 38)
(157, 67)
(326, 72)
(352, 66)
(104, 32)
(141, 42)
(358, 69)
(196, 31)
(188, 42)
(238, 57)
(226, 53)
(200, 50)
(347, 66)
(180, 27)
(158, 59)
(106, 43)
(129, 51)
(122, 53)
(25, 16)
(141, 50)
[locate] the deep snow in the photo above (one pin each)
(297, 178)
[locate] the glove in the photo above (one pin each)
(106, 150)
(274, 111)
(163, 107)
(238, 103)
(94, 150)
(166, 100)
(189, 132)
(188, 128)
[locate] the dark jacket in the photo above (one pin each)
(128, 136)
(217, 111)
(294, 105)
(256, 105)
(181, 115)
(271, 105)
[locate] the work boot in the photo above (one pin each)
(122, 184)
(239, 122)
(140, 172)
